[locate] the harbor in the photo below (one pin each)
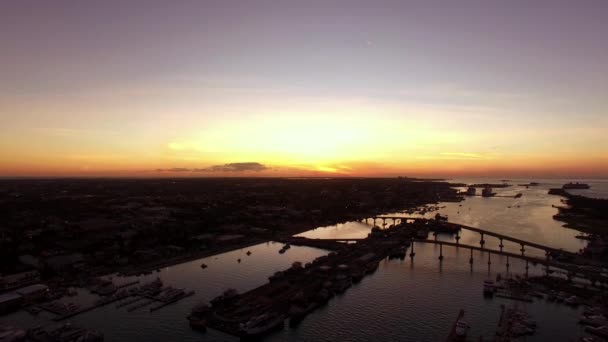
(400, 288)
(293, 293)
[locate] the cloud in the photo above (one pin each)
(175, 169)
(230, 167)
(236, 167)
(458, 156)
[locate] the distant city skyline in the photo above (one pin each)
(311, 88)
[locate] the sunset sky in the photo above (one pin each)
(303, 88)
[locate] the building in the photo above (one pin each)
(30, 260)
(33, 293)
(16, 280)
(10, 301)
(61, 263)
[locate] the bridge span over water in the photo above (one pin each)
(455, 226)
(569, 269)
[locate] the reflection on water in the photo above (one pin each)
(169, 323)
(529, 218)
(405, 301)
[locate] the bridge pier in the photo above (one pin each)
(440, 252)
(522, 249)
(501, 245)
(457, 239)
(435, 235)
(527, 268)
(489, 261)
(412, 252)
(471, 258)
(383, 223)
(507, 263)
(482, 241)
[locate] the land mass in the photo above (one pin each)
(585, 214)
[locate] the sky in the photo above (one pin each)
(304, 88)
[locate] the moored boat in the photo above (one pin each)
(459, 330)
(488, 288)
(261, 325)
(487, 192)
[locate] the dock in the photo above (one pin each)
(132, 299)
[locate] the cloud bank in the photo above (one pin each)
(230, 167)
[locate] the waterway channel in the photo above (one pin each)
(404, 300)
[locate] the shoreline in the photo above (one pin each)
(584, 214)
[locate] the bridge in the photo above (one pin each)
(571, 270)
(483, 233)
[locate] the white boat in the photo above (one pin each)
(461, 328)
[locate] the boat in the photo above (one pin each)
(487, 192)
(422, 234)
(471, 191)
(572, 301)
(439, 217)
(576, 185)
(199, 324)
(599, 331)
(459, 330)
(508, 294)
(488, 288)
(261, 325)
(589, 339)
(518, 195)
(593, 321)
(297, 313)
(198, 315)
(285, 248)
(203, 266)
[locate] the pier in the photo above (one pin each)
(133, 299)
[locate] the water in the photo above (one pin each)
(529, 218)
(169, 323)
(419, 301)
(403, 300)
